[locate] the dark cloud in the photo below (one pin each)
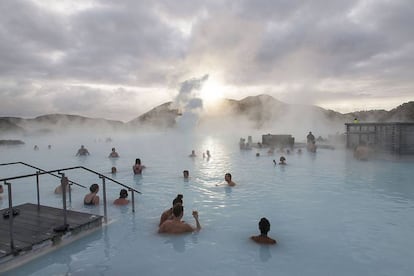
(149, 44)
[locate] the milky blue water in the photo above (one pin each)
(331, 214)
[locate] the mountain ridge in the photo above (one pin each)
(260, 110)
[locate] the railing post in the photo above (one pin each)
(70, 193)
(133, 200)
(11, 217)
(38, 190)
(63, 186)
(104, 198)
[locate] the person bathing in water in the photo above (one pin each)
(64, 182)
(176, 225)
(113, 154)
(137, 168)
(82, 151)
(122, 200)
(264, 227)
(92, 198)
(227, 179)
(168, 214)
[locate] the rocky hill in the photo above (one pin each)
(161, 116)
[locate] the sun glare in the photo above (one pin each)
(211, 92)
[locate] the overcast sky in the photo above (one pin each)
(117, 59)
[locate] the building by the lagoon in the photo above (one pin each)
(396, 138)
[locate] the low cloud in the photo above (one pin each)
(147, 49)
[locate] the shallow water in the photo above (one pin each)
(330, 214)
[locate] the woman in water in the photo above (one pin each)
(92, 198)
(137, 168)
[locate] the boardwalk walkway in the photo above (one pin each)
(33, 228)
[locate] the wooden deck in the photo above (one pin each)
(33, 229)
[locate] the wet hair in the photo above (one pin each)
(178, 199)
(186, 172)
(138, 161)
(282, 158)
(228, 174)
(113, 169)
(264, 226)
(178, 210)
(113, 149)
(123, 193)
(93, 188)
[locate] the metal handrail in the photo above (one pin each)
(62, 177)
(31, 166)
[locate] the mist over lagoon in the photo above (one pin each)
(338, 215)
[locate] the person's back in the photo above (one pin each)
(168, 214)
(264, 226)
(175, 225)
(122, 200)
(263, 240)
(92, 198)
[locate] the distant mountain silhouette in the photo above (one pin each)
(161, 116)
(48, 123)
(10, 125)
(402, 113)
(261, 111)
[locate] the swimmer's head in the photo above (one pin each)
(178, 210)
(94, 188)
(264, 226)
(178, 199)
(123, 193)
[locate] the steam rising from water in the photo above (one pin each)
(189, 102)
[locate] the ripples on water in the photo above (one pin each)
(331, 215)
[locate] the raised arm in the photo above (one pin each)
(198, 226)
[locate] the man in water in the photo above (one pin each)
(193, 154)
(176, 226)
(310, 138)
(82, 151)
(113, 154)
(64, 182)
(264, 226)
